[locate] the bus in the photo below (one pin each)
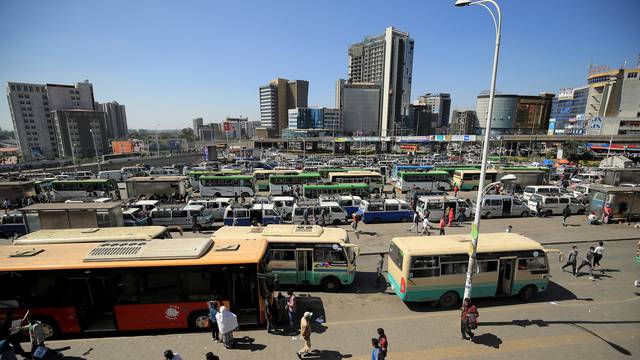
(435, 270)
(314, 191)
(432, 180)
(303, 255)
(226, 185)
(194, 175)
(261, 177)
(82, 235)
(385, 210)
(281, 184)
(93, 188)
(395, 171)
(371, 178)
(116, 158)
(324, 171)
(132, 285)
(470, 179)
(452, 168)
(526, 175)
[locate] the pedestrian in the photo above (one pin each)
(592, 219)
(462, 215)
(235, 197)
(415, 223)
(170, 355)
(305, 333)
(211, 356)
(242, 199)
(426, 213)
(451, 216)
(268, 314)
(539, 209)
(305, 216)
(425, 226)
(227, 322)
(572, 260)
(281, 303)
(195, 226)
(566, 212)
(6, 205)
(215, 330)
(588, 262)
(607, 214)
(509, 229)
(382, 341)
(10, 335)
(291, 308)
(597, 256)
(354, 221)
(379, 267)
(7, 351)
(323, 216)
(376, 352)
(468, 320)
(455, 190)
(443, 224)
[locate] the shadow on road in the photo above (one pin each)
(327, 355)
(543, 323)
(365, 283)
(247, 343)
(488, 339)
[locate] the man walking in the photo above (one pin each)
(376, 351)
(382, 341)
(416, 221)
(305, 333)
(597, 256)
(379, 266)
(566, 212)
(354, 221)
(443, 224)
(572, 259)
(195, 227)
(425, 226)
(455, 190)
(588, 261)
(291, 308)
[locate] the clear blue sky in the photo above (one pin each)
(171, 61)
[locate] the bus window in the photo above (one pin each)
(196, 284)
(178, 214)
(454, 268)
(159, 285)
(488, 266)
(435, 205)
(537, 263)
(424, 266)
(329, 255)
(392, 207)
(395, 255)
(127, 288)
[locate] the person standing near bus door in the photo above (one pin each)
(443, 224)
(268, 314)
(292, 309)
(566, 212)
(379, 267)
(213, 311)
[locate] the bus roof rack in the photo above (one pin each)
(164, 249)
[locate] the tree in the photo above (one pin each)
(188, 134)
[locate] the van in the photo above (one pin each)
(241, 215)
(586, 178)
(284, 205)
(217, 206)
(437, 204)
(115, 175)
(12, 224)
(334, 214)
(83, 175)
(134, 217)
(540, 189)
(133, 171)
(349, 203)
(555, 204)
(146, 205)
(502, 206)
(181, 216)
(385, 210)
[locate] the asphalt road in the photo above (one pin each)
(575, 317)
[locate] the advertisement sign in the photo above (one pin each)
(439, 138)
(552, 127)
(595, 126)
(174, 144)
(565, 94)
(341, 139)
(122, 147)
(413, 139)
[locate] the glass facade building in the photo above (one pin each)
(515, 114)
(568, 112)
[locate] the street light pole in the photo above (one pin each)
(95, 147)
(475, 227)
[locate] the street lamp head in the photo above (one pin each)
(508, 177)
(461, 3)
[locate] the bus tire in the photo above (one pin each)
(487, 215)
(330, 284)
(525, 214)
(527, 292)
(50, 327)
(198, 320)
(580, 212)
(475, 188)
(336, 222)
(548, 213)
(449, 299)
(217, 194)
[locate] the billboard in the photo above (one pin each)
(565, 94)
(122, 147)
(552, 126)
(595, 126)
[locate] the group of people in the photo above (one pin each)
(591, 260)
(12, 331)
(446, 220)
(223, 323)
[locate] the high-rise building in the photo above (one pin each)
(421, 121)
(116, 119)
(386, 60)
(80, 131)
(359, 105)
(277, 98)
(463, 122)
(234, 126)
(440, 104)
(31, 107)
(568, 111)
(197, 123)
(515, 114)
(314, 118)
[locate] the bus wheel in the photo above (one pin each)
(527, 293)
(487, 215)
(199, 320)
(50, 327)
(548, 213)
(336, 222)
(330, 284)
(449, 300)
(217, 194)
(525, 214)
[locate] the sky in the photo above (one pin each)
(172, 61)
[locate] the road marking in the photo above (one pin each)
(520, 345)
(484, 310)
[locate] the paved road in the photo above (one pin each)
(575, 318)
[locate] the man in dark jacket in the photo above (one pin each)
(566, 212)
(572, 259)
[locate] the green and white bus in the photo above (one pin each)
(435, 270)
(470, 179)
(430, 180)
(314, 191)
(194, 175)
(324, 171)
(261, 177)
(75, 189)
(281, 184)
(226, 185)
(302, 255)
(372, 178)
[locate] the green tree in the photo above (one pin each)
(188, 134)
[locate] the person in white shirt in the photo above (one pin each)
(597, 256)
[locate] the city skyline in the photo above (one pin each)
(127, 60)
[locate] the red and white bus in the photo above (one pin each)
(131, 285)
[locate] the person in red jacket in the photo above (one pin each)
(443, 224)
(451, 216)
(469, 319)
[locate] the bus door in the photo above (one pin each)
(305, 265)
(506, 206)
(505, 276)
(93, 300)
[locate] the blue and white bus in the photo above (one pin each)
(385, 211)
(263, 214)
(349, 203)
(413, 168)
